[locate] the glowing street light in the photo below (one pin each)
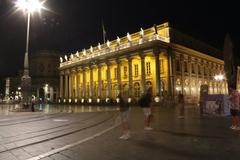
(219, 77)
(28, 6)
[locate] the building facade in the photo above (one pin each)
(149, 58)
(44, 75)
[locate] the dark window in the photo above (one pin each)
(193, 68)
(49, 68)
(185, 67)
(41, 67)
(178, 65)
(199, 69)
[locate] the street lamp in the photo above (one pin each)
(29, 7)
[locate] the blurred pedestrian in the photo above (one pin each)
(124, 113)
(145, 103)
(32, 104)
(234, 108)
(181, 105)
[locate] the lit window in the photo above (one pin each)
(136, 70)
(148, 64)
(125, 71)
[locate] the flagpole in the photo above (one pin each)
(104, 32)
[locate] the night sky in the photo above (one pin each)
(71, 25)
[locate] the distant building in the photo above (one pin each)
(44, 74)
(159, 57)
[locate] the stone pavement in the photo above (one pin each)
(80, 136)
(172, 139)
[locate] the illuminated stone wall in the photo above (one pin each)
(136, 62)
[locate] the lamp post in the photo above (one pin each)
(29, 7)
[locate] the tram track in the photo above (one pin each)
(62, 134)
(34, 119)
(47, 129)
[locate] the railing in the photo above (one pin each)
(110, 49)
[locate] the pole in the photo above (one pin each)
(104, 32)
(26, 64)
(26, 79)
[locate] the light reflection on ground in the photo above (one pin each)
(7, 109)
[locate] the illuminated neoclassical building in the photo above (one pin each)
(160, 57)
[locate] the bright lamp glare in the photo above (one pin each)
(219, 77)
(30, 5)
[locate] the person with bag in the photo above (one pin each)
(124, 114)
(145, 103)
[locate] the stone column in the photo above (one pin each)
(99, 81)
(91, 82)
(70, 85)
(84, 83)
(157, 67)
(182, 73)
(130, 78)
(143, 83)
(170, 75)
(77, 83)
(66, 85)
(61, 86)
(108, 80)
(119, 75)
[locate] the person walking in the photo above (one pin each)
(181, 105)
(234, 109)
(124, 114)
(32, 104)
(145, 103)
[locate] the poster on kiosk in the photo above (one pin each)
(213, 104)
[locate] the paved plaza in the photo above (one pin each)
(67, 132)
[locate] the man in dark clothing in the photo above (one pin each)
(181, 105)
(146, 104)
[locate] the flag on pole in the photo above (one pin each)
(104, 32)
